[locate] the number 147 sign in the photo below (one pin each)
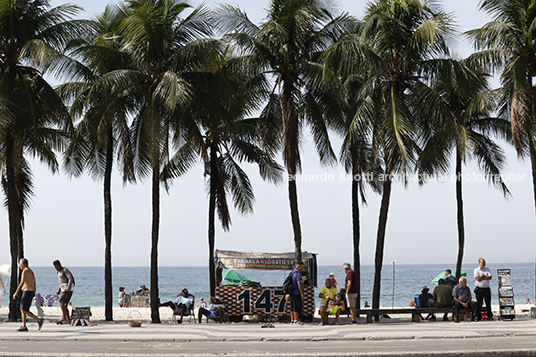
(261, 300)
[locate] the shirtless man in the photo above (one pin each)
(27, 286)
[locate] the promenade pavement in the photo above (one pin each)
(397, 328)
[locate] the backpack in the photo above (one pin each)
(288, 286)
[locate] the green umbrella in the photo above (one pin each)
(443, 276)
(232, 276)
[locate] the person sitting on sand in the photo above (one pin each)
(143, 290)
(121, 297)
(202, 303)
(216, 309)
(330, 302)
(182, 304)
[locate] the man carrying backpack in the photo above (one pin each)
(296, 296)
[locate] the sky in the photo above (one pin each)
(66, 218)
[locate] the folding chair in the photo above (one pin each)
(189, 313)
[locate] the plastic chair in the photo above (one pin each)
(40, 299)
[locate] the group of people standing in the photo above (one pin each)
(450, 293)
(28, 288)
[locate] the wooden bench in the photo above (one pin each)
(415, 312)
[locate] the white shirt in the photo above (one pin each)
(483, 283)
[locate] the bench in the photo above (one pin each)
(415, 312)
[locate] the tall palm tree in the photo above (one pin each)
(508, 44)
(167, 53)
(32, 36)
(462, 105)
(285, 47)
(340, 96)
(398, 38)
(103, 131)
(231, 93)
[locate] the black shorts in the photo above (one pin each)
(66, 296)
(26, 300)
(295, 303)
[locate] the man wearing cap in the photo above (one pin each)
(66, 280)
(424, 299)
(182, 303)
(331, 276)
(482, 276)
(461, 294)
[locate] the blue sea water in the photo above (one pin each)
(409, 280)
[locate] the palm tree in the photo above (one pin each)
(32, 36)
(231, 93)
(286, 46)
(340, 96)
(166, 54)
(398, 38)
(103, 131)
(508, 43)
(462, 105)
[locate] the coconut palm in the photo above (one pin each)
(103, 131)
(462, 104)
(229, 139)
(32, 36)
(285, 47)
(340, 97)
(398, 38)
(508, 44)
(166, 54)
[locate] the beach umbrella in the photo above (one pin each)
(443, 276)
(5, 269)
(232, 276)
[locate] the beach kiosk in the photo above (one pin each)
(266, 301)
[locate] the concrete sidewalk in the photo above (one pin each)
(397, 328)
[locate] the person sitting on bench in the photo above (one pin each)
(461, 294)
(442, 297)
(216, 309)
(424, 299)
(182, 304)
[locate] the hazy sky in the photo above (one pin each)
(66, 219)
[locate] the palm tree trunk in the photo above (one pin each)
(459, 202)
(533, 167)
(291, 157)
(380, 241)
(12, 204)
(295, 216)
(211, 218)
(108, 289)
(155, 316)
(356, 235)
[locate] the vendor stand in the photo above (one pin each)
(266, 301)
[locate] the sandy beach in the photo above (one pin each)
(144, 313)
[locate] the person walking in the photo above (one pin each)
(27, 286)
(352, 288)
(482, 276)
(66, 280)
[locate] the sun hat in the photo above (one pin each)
(425, 288)
(331, 274)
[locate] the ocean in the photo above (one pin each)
(409, 281)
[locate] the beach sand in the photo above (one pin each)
(144, 313)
